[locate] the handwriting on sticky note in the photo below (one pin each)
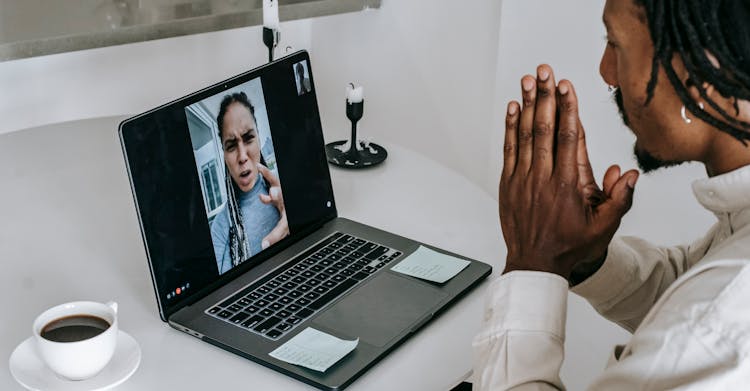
(314, 349)
(431, 265)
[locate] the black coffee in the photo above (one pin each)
(74, 328)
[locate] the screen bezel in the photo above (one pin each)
(167, 309)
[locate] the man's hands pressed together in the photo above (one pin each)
(553, 215)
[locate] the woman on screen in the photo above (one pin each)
(254, 217)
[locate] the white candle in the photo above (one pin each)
(271, 14)
(354, 94)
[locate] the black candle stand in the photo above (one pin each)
(371, 154)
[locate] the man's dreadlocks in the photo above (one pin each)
(691, 29)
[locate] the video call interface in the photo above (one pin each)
(245, 179)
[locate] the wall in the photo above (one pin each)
(428, 71)
(129, 79)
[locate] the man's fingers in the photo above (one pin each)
(566, 165)
(526, 124)
(621, 198)
(510, 149)
(610, 178)
(585, 173)
(544, 122)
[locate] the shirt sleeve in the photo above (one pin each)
(634, 275)
(520, 345)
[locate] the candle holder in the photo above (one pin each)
(271, 38)
(369, 155)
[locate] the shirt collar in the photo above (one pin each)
(725, 193)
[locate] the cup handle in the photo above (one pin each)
(113, 305)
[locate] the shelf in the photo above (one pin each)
(30, 28)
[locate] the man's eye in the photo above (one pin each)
(230, 148)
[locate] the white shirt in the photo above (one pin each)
(688, 308)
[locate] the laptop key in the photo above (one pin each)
(377, 253)
(295, 294)
(252, 321)
(334, 257)
(338, 278)
(266, 312)
(312, 295)
(335, 245)
(303, 301)
(347, 272)
(283, 278)
(322, 276)
(267, 325)
(261, 303)
(367, 247)
(332, 294)
(320, 289)
(254, 296)
(304, 313)
(285, 300)
(283, 314)
(263, 289)
(360, 276)
(303, 277)
(273, 283)
(276, 306)
(304, 288)
(331, 270)
(330, 284)
(234, 307)
(252, 309)
(281, 291)
(214, 310)
(244, 302)
(293, 307)
(293, 320)
(358, 242)
(290, 285)
(325, 262)
(271, 297)
(313, 282)
(224, 314)
(274, 334)
(317, 268)
(284, 327)
(239, 317)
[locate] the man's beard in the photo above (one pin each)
(646, 161)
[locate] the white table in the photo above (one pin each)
(68, 231)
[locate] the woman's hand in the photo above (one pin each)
(277, 199)
(553, 214)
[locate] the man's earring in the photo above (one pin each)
(683, 113)
(610, 88)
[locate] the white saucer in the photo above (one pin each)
(29, 370)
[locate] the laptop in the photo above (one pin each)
(244, 243)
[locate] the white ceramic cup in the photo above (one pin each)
(83, 359)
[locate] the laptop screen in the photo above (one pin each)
(224, 176)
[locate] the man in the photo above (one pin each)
(681, 70)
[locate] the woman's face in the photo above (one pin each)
(239, 139)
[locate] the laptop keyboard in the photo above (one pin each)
(313, 279)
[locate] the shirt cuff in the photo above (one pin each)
(527, 300)
(615, 274)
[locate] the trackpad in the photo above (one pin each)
(382, 309)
